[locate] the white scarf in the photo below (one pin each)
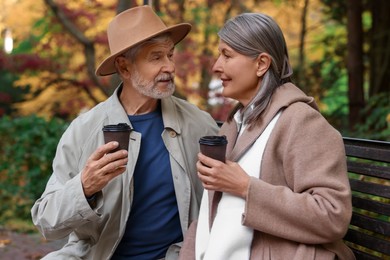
(228, 238)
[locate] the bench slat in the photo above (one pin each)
(378, 171)
(364, 256)
(370, 188)
(368, 241)
(371, 205)
(368, 149)
(371, 224)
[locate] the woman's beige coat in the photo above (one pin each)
(300, 208)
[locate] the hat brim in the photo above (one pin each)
(178, 32)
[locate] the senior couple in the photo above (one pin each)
(283, 192)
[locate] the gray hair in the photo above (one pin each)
(132, 53)
(251, 34)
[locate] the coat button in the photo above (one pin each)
(172, 133)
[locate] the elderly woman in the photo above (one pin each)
(283, 192)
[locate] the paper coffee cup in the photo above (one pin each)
(213, 146)
(119, 133)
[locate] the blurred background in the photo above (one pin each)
(339, 49)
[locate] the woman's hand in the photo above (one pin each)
(226, 177)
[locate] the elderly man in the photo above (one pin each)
(140, 211)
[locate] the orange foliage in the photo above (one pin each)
(67, 89)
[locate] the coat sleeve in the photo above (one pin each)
(63, 206)
(303, 194)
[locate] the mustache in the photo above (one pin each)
(164, 77)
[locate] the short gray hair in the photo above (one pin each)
(251, 34)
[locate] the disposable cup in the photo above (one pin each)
(119, 133)
(213, 146)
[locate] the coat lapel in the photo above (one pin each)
(281, 98)
(246, 140)
(229, 129)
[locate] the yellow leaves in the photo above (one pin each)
(196, 99)
(35, 81)
(165, 2)
(92, 20)
(68, 101)
(140, 2)
(217, 14)
(20, 15)
(103, 17)
(100, 26)
(78, 60)
(55, 97)
(85, 4)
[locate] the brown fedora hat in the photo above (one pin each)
(134, 26)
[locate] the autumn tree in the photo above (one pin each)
(72, 35)
(69, 40)
(68, 84)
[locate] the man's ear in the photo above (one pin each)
(121, 64)
(263, 63)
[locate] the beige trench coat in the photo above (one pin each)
(63, 210)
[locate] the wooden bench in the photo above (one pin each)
(369, 173)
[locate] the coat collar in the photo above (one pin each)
(282, 97)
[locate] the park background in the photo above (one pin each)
(339, 50)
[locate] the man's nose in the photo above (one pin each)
(169, 66)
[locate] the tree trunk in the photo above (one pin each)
(89, 47)
(355, 61)
(301, 65)
(380, 47)
(124, 5)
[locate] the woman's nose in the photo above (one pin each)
(217, 66)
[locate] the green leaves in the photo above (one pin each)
(377, 118)
(28, 147)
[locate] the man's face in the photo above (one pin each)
(152, 73)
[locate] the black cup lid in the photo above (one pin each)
(117, 128)
(213, 140)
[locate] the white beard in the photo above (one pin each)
(150, 88)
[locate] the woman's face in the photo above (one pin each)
(238, 74)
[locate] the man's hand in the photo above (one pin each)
(102, 167)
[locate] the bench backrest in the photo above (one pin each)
(369, 173)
